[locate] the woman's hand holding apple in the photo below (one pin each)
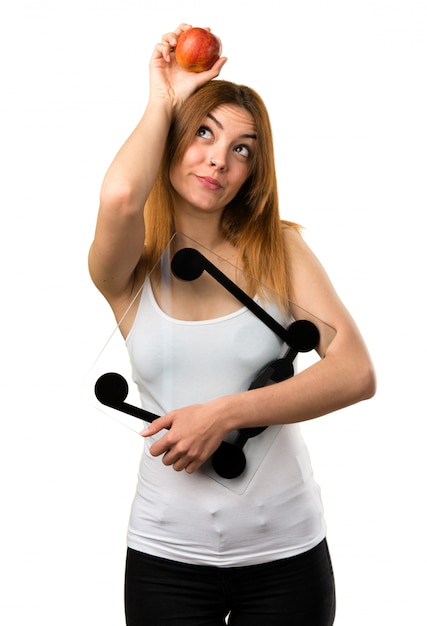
(177, 69)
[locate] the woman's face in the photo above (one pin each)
(217, 162)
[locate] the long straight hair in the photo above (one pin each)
(251, 221)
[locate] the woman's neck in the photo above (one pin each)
(205, 229)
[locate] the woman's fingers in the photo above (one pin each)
(170, 40)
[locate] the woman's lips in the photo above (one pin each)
(209, 183)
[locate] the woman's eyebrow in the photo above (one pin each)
(218, 123)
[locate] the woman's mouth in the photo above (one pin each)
(209, 183)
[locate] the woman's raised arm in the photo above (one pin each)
(118, 245)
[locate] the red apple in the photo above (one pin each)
(197, 50)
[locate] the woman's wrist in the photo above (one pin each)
(158, 105)
(236, 411)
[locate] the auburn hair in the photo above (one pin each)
(251, 221)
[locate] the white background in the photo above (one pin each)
(345, 83)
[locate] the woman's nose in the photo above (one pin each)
(217, 163)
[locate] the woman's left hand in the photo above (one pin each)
(194, 433)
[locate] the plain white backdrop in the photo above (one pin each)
(345, 84)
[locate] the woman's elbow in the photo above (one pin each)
(118, 198)
(367, 386)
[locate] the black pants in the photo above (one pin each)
(298, 591)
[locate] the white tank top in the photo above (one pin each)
(191, 518)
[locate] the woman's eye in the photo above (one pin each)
(244, 151)
(204, 132)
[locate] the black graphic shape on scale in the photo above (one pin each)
(229, 460)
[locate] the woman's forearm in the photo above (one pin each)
(327, 386)
(131, 175)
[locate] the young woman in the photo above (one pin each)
(200, 162)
